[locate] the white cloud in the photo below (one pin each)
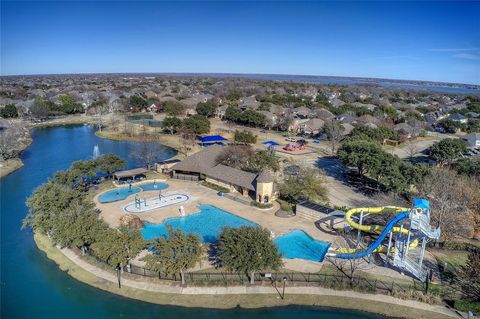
(468, 56)
(454, 50)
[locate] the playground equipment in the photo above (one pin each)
(299, 145)
(402, 241)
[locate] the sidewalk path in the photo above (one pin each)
(177, 289)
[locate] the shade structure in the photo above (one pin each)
(212, 139)
(270, 143)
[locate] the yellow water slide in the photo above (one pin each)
(374, 228)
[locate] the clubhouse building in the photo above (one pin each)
(203, 165)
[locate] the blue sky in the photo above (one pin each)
(438, 41)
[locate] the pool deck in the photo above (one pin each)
(198, 195)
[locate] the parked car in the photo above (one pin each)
(290, 139)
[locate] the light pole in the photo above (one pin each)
(118, 275)
(283, 291)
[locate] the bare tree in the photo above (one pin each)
(348, 267)
(334, 130)
(187, 142)
(148, 153)
(443, 187)
(285, 121)
(9, 142)
(113, 122)
(412, 149)
(235, 155)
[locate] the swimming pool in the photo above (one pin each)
(116, 194)
(153, 186)
(207, 223)
(298, 244)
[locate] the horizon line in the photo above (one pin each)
(227, 74)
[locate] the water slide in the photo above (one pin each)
(376, 246)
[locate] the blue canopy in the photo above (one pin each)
(421, 203)
(212, 139)
(270, 143)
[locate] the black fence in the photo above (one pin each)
(186, 177)
(336, 281)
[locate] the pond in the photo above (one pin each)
(34, 287)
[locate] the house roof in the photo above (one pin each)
(457, 117)
(200, 161)
(302, 109)
(324, 114)
(314, 124)
(131, 172)
(233, 176)
(474, 136)
(265, 177)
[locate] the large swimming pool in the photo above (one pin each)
(207, 223)
(298, 244)
(116, 194)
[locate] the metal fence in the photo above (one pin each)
(336, 281)
(186, 177)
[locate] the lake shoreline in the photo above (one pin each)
(14, 164)
(253, 297)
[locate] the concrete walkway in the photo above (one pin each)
(222, 290)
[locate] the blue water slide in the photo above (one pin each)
(377, 242)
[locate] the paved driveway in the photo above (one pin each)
(340, 192)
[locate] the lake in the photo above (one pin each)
(32, 286)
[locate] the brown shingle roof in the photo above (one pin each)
(232, 176)
(200, 162)
(265, 177)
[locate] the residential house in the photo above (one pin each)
(368, 106)
(473, 139)
(347, 129)
(346, 118)
(324, 114)
(220, 111)
(368, 119)
(270, 119)
(311, 127)
(302, 112)
(459, 118)
(406, 130)
(433, 117)
(336, 102)
(249, 102)
(278, 110)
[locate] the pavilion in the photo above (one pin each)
(212, 139)
(132, 173)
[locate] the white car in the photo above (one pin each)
(290, 139)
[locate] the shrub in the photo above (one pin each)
(286, 206)
(417, 295)
(463, 305)
(261, 205)
(216, 187)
